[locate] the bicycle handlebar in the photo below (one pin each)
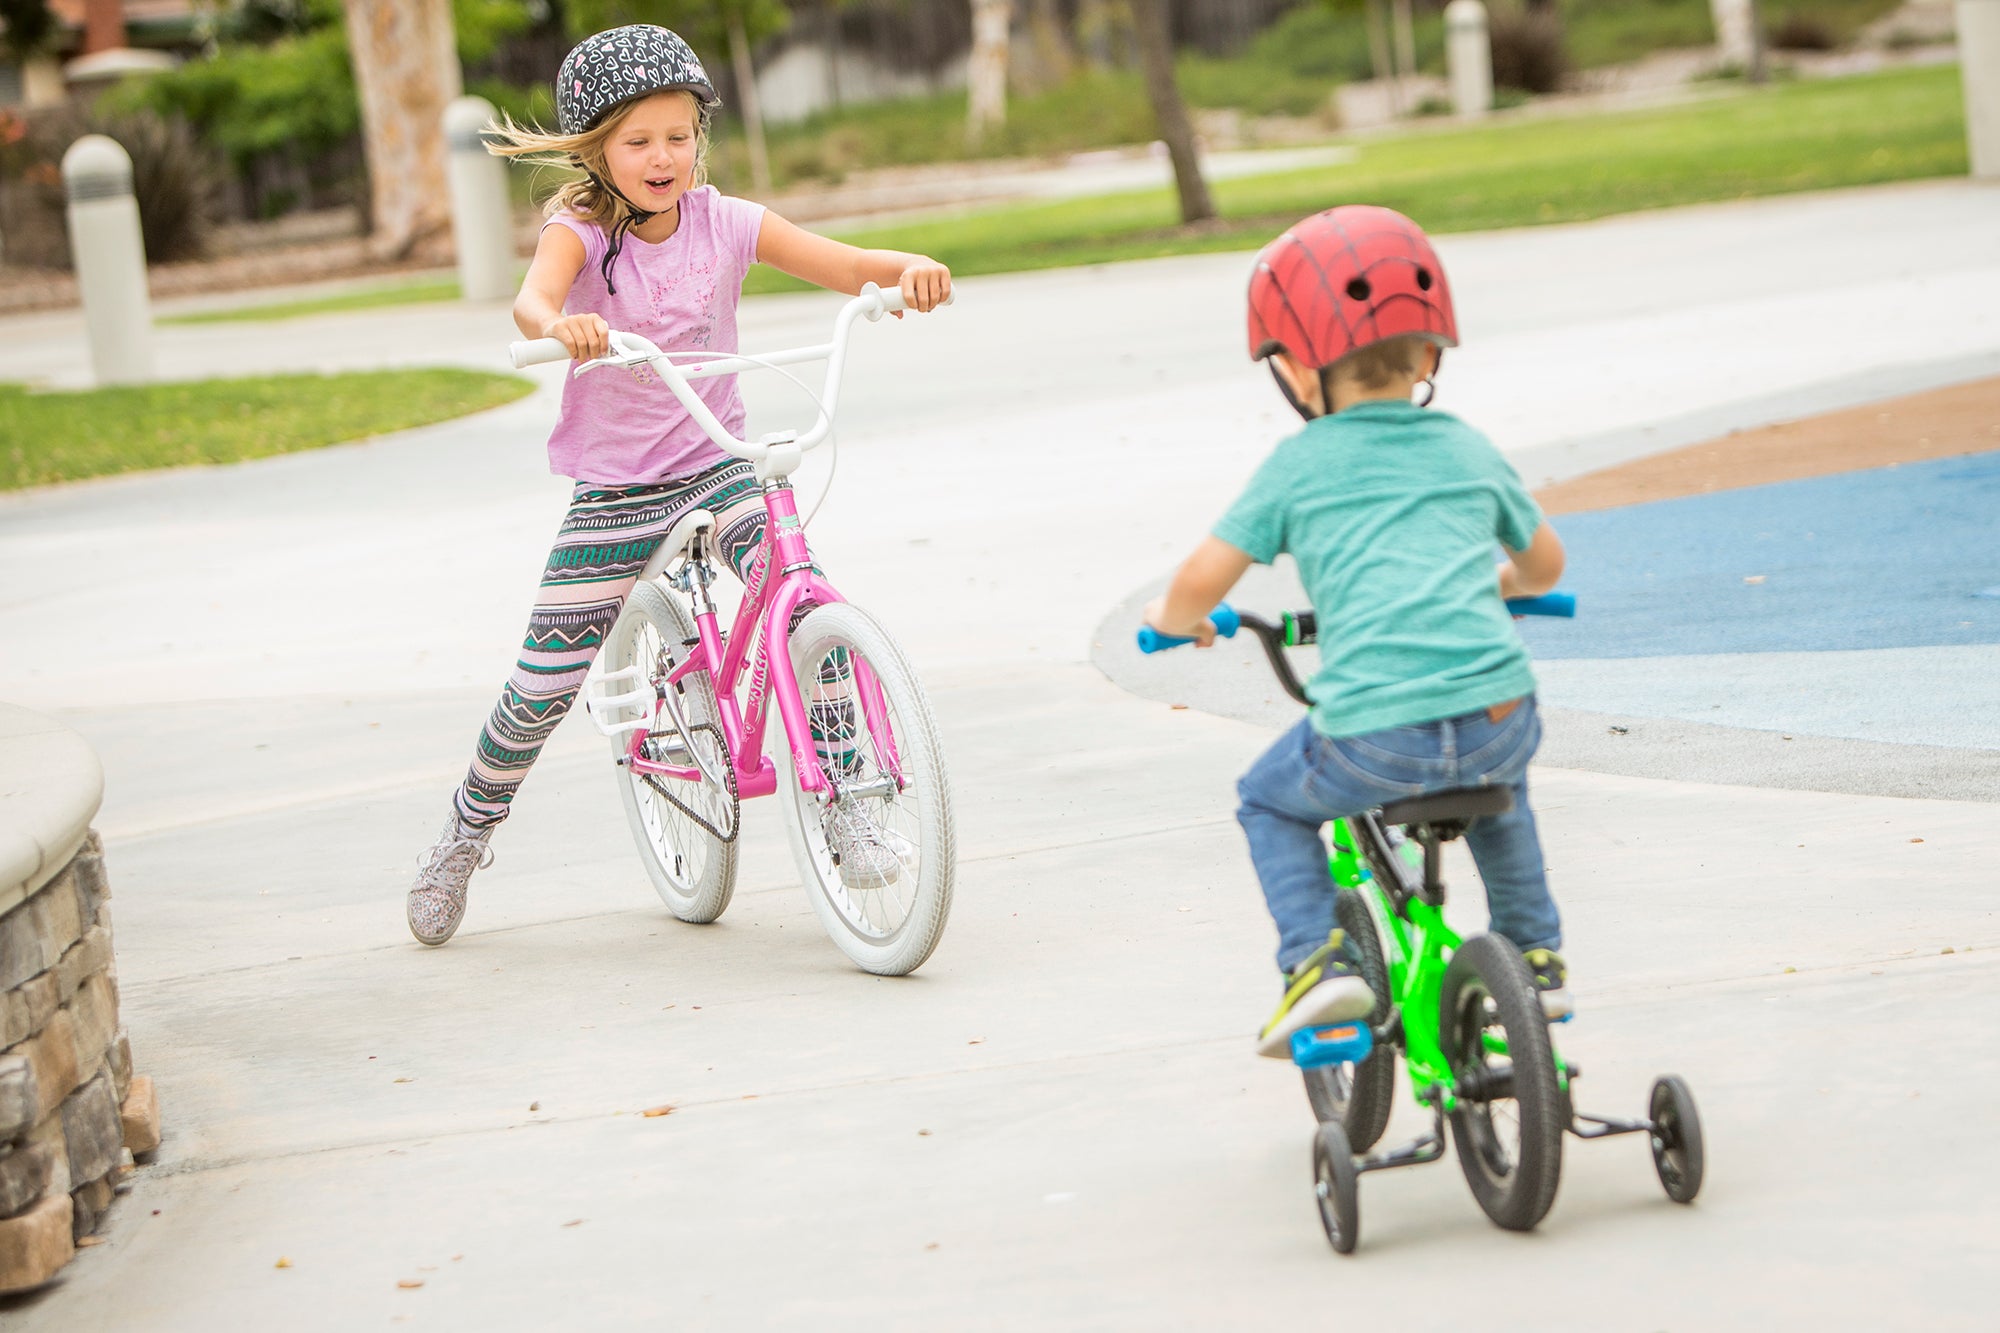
(1227, 620)
(629, 349)
(1298, 628)
(527, 352)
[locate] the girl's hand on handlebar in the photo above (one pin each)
(925, 283)
(1202, 634)
(586, 336)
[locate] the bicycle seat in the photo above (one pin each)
(1459, 806)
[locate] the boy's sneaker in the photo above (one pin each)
(1551, 983)
(865, 854)
(1326, 988)
(437, 900)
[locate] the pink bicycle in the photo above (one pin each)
(869, 811)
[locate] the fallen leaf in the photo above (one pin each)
(405, 1080)
(662, 1109)
(410, 1283)
(1916, 840)
(977, 1041)
(1621, 731)
(574, 1222)
(534, 1106)
(923, 1133)
(1178, 708)
(1947, 949)
(282, 1262)
(932, 1246)
(1791, 969)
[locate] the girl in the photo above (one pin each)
(641, 244)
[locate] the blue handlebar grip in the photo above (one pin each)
(1548, 604)
(1223, 617)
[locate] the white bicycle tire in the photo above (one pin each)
(693, 871)
(919, 815)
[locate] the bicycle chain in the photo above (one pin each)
(665, 788)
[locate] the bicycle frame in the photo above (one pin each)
(769, 603)
(1417, 950)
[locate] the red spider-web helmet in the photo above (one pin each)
(1346, 278)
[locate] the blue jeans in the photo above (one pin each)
(1307, 779)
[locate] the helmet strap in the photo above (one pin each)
(634, 216)
(1286, 389)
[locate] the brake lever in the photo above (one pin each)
(627, 350)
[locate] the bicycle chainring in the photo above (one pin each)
(666, 787)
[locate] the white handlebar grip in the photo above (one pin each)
(535, 351)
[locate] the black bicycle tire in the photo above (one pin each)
(1363, 1109)
(1518, 1197)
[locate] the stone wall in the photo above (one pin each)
(73, 1116)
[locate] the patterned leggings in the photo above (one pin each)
(606, 538)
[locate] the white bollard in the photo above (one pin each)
(109, 255)
(1979, 70)
(1735, 32)
(482, 217)
(1468, 57)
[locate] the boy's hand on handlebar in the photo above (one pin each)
(1202, 634)
(586, 337)
(925, 284)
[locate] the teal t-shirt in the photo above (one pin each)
(1392, 512)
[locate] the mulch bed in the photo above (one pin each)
(1941, 423)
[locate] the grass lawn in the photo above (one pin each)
(54, 437)
(1519, 171)
(407, 292)
(1822, 134)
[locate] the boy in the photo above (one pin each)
(1391, 513)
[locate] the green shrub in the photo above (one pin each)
(174, 182)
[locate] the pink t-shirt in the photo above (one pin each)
(624, 426)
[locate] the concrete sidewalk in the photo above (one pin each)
(1058, 1121)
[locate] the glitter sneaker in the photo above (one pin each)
(437, 900)
(865, 854)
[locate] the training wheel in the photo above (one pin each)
(1676, 1138)
(1335, 1184)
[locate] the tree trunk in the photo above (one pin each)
(746, 92)
(103, 26)
(1156, 58)
(986, 74)
(406, 71)
(1052, 47)
(1406, 39)
(1378, 56)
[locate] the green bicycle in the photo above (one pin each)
(1463, 1014)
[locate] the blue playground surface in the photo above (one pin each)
(1904, 556)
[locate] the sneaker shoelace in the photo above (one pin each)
(450, 862)
(862, 847)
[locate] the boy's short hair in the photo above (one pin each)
(1380, 364)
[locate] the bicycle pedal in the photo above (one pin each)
(608, 710)
(1342, 1043)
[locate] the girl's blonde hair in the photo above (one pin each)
(588, 196)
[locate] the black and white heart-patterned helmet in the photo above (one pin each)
(619, 64)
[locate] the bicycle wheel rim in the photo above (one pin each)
(856, 725)
(686, 851)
